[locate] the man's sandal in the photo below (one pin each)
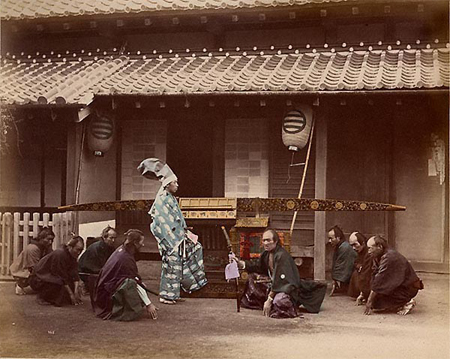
(167, 301)
(407, 307)
(20, 290)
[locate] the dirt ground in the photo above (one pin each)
(211, 328)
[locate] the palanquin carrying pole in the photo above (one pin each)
(232, 207)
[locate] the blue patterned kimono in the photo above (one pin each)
(182, 259)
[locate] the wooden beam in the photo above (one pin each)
(43, 159)
(401, 93)
(219, 157)
(446, 194)
(390, 123)
(320, 192)
(73, 151)
(119, 144)
(64, 168)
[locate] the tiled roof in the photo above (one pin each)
(76, 81)
(30, 9)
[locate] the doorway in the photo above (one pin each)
(190, 154)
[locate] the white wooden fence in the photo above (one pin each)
(19, 228)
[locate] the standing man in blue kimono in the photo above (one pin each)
(181, 253)
(343, 260)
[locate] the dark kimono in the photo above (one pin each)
(52, 273)
(91, 262)
(291, 291)
(394, 280)
(95, 257)
(362, 275)
(116, 296)
(343, 262)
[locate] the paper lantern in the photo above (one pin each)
(297, 128)
(100, 133)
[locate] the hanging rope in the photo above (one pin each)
(300, 193)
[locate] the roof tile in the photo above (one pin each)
(16, 10)
(73, 80)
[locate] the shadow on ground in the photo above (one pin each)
(211, 328)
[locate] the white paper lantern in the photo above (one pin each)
(297, 128)
(100, 133)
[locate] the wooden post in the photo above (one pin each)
(46, 219)
(7, 240)
(119, 144)
(321, 189)
(64, 229)
(3, 247)
(26, 229)
(71, 223)
(60, 230)
(35, 224)
(75, 223)
(55, 223)
(16, 241)
(43, 145)
(72, 139)
(219, 157)
(64, 169)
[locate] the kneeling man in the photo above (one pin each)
(23, 265)
(119, 293)
(394, 281)
(55, 277)
(95, 257)
(343, 260)
(286, 292)
(359, 286)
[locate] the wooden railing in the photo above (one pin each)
(17, 229)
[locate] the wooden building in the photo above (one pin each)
(205, 86)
